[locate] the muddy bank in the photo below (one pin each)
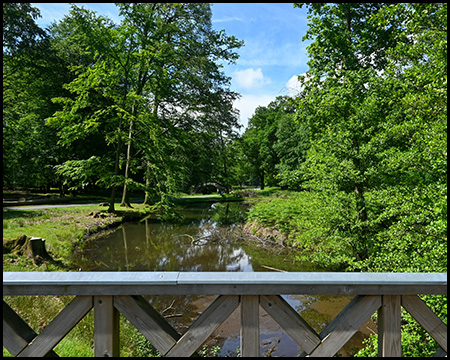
(267, 234)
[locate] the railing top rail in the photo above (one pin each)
(228, 278)
(161, 283)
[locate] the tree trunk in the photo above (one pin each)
(116, 172)
(111, 201)
(225, 169)
(62, 188)
(361, 210)
(261, 179)
(126, 196)
(360, 203)
(147, 185)
(32, 247)
(362, 245)
(147, 199)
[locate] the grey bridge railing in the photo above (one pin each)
(109, 293)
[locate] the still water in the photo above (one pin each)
(209, 238)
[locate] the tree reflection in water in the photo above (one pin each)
(208, 238)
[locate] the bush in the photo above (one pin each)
(310, 223)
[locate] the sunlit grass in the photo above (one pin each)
(62, 227)
(39, 311)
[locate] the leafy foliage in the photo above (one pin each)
(137, 95)
(374, 105)
(266, 140)
(78, 174)
(31, 76)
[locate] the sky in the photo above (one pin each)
(272, 57)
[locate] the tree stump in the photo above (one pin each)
(32, 247)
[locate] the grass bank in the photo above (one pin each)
(321, 229)
(303, 220)
(63, 229)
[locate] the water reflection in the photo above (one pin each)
(206, 240)
(199, 243)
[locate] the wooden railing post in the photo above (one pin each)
(249, 325)
(106, 327)
(420, 311)
(113, 292)
(389, 327)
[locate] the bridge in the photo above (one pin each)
(109, 293)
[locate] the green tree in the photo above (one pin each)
(379, 132)
(342, 106)
(190, 94)
(240, 168)
(413, 161)
(291, 148)
(32, 75)
(150, 77)
(22, 37)
(346, 39)
(260, 138)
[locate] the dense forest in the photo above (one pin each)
(143, 106)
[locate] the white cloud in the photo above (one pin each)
(293, 86)
(228, 19)
(250, 79)
(247, 105)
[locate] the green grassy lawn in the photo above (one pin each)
(63, 227)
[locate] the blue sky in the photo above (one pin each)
(270, 60)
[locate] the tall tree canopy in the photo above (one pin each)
(375, 101)
(32, 75)
(260, 139)
(150, 78)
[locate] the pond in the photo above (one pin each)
(209, 237)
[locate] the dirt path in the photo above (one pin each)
(45, 206)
